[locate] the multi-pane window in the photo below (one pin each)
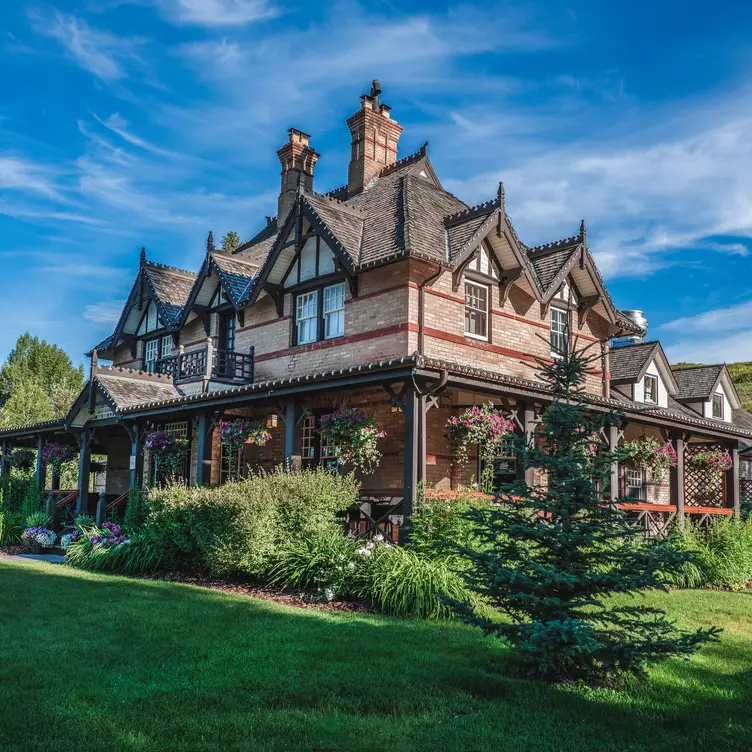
(320, 314)
(151, 354)
(229, 469)
(651, 389)
(306, 317)
(559, 332)
(308, 439)
(718, 406)
(634, 481)
(476, 310)
(334, 311)
(166, 346)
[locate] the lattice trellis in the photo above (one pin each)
(702, 488)
(745, 490)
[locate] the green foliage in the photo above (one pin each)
(11, 526)
(143, 555)
(230, 242)
(550, 556)
(15, 487)
(135, 510)
(36, 519)
(723, 554)
(33, 499)
(401, 582)
(37, 382)
(237, 528)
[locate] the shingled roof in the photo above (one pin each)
(697, 383)
(548, 260)
(236, 274)
(127, 389)
(627, 363)
(171, 287)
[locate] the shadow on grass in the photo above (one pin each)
(133, 664)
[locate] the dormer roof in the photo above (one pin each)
(629, 364)
(699, 383)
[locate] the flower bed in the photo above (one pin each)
(39, 536)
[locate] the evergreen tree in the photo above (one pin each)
(230, 242)
(549, 557)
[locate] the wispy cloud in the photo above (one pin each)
(218, 12)
(100, 52)
(104, 313)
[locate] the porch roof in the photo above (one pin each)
(386, 371)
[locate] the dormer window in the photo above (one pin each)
(718, 406)
(651, 389)
(559, 339)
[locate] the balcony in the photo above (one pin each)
(194, 365)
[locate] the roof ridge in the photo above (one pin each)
(333, 200)
(409, 159)
(334, 191)
(166, 267)
(450, 220)
(554, 245)
(695, 368)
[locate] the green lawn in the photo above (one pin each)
(96, 662)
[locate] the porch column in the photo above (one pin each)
(205, 432)
(84, 462)
(613, 478)
(136, 461)
(412, 429)
(733, 495)
(293, 458)
(677, 477)
(424, 405)
(526, 416)
(55, 480)
(4, 459)
(41, 470)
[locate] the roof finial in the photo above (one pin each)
(94, 358)
(424, 149)
(142, 258)
(583, 232)
(502, 196)
(210, 242)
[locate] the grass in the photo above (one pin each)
(109, 663)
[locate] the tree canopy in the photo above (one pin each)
(230, 242)
(38, 381)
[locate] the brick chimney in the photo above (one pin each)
(374, 140)
(298, 160)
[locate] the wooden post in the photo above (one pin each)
(209, 362)
(424, 406)
(41, 471)
(613, 479)
(677, 477)
(412, 428)
(526, 416)
(205, 434)
(84, 460)
(136, 462)
(293, 458)
(55, 479)
(101, 517)
(4, 458)
(51, 510)
(733, 496)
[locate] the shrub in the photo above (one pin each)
(723, 554)
(140, 554)
(238, 527)
(325, 562)
(36, 519)
(401, 582)
(135, 510)
(11, 528)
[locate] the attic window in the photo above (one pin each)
(718, 406)
(651, 389)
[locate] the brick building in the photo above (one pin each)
(391, 294)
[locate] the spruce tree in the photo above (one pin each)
(548, 557)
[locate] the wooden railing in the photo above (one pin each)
(226, 364)
(118, 502)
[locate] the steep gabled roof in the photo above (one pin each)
(236, 274)
(548, 260)
(697, 383)
(257, 248)
(629, 363)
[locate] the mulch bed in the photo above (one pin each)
(12, 550)
(299, 599)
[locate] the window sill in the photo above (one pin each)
(476, 337)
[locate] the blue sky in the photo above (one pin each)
(149, 122)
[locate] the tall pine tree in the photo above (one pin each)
(549, 557)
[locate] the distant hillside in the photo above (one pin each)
(741, 375)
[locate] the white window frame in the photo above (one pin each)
(151, 346)
(165, 348)
(559, 323)
(634, 478)
(649, 377)
(475, 309)
(307, 301)
(720, 399)
(336, 302)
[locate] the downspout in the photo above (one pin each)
(605, 347)
(422, 307)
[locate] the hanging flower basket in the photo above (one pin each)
(482, 425)
(715, 461)
(355, 437)
(23, 459)
(650, 453)
(241, 431)
(169, 451)
(56, 455)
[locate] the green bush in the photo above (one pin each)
(143, 555)
(238, 527)
(11, 527)
(723, 554)
(36, 519)
(402, 582)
